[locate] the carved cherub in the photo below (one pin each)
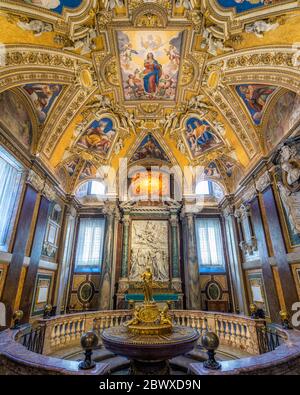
(261, 27)
(85, 44)
(135, 320)
(36, 26)
(165, 319)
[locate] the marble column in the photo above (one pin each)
(174, 238)
(125, 246)
(192, 278)
(105, 301)
(176, 280)
(64, 273)
(235, 265)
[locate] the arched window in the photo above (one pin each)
(210, 189)
(91, 189)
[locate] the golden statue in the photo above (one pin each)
(147, 278)
(136, 319)
(147, 318)
(165, 318)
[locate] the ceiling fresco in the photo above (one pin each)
(255, 98)
(15, 118)
(200, 136)
(98, 137)
(149, 148)
(54, 5)
(246, 5)
(186, 83)
(43, 97)
(150, 63)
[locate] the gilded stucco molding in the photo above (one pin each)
(106, 62)
(229, 114)
(276, 58)
(248, 126)
(35, 180)
(75, 105)
(67, 22)
(263, 181)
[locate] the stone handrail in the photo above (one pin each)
(233, 330)
(236, 331)
(15, 359)
(284, 360)
(65, 331)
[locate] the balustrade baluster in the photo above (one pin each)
(67, 332)
(52, 336)
(243, 335)
(57, 334)
(248, 339)
(237, 338)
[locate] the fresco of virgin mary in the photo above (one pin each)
(152, 73)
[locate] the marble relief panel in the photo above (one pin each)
(149, 248)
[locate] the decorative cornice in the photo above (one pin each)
(263, 182)
(49, 193)
(36, 181)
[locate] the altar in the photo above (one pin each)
(150, 239)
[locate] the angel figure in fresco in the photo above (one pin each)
(152, 74)
(85, 44)
(127, 53)
(135, 84)
(173, 54)
(260, 27)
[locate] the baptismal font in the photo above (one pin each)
(149, 339)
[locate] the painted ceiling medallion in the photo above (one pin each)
(150, 62)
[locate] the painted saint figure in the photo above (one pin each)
(152, 74)
(255, 97)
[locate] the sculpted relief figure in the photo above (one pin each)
(149, 250)
(291, 203)
(288, 160)
(86, 44)
(261, 27)
(36, 26)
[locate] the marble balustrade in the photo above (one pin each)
(65, 331)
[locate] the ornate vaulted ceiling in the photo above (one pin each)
(192, 82)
